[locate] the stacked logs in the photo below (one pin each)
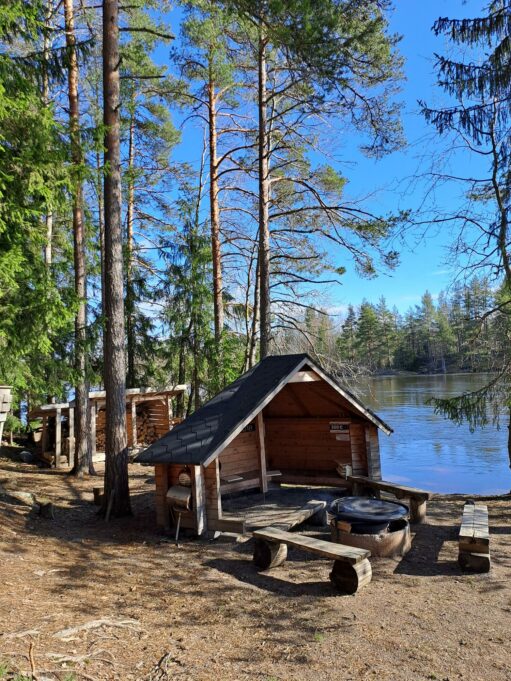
(146, 431)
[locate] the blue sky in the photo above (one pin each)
(424, 261)
(388, 183)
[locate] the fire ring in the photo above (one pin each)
(374, 524)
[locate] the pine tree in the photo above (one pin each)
(83, 449)
(481, 88)
(116, 497)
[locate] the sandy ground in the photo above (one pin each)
(203, 612)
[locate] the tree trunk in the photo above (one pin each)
(264, 232)
(255, 319)
(181, 377)
(509, 438)
(116, 499)
(83, 455)
(101, 226)
(46, 100)
(215, 221)
(130, 293)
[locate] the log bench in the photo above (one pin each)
(351, 569)
(417, 498)
(474, 538)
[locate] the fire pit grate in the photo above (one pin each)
(374, 524)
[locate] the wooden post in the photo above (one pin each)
(213, 496)
(161, 476)
(199, 499)
(133, 423)
(93, 417)
(44, 435)
(373, 452)
(58, 436)
(418, 510)
(71, 425)
(262, 452)
(169, 411)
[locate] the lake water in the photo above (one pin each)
(429, 451)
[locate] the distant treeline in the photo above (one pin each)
(460, 331)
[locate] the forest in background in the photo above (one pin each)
(442, 335)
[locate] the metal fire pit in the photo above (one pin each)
(379, 526)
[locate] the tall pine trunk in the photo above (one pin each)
(252, 357)
(264, 193)
(83, 455)
(215, 223)
(117, 496)
(130, 292)
(509, 438)
(48, 219)
(101, 229)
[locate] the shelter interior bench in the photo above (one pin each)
(474, 538)
(311, 478)
(351, 569)
(243, 481)
(417, 498)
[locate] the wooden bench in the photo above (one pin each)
(351, 569)
(474, 538)
(238, 482)
(417, 498)
(312, 478)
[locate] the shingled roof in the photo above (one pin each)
(203, 435)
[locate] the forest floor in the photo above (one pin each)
(82, 599)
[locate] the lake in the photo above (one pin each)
(429, 451)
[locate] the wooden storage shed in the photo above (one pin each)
(286, 420)
(149, 415)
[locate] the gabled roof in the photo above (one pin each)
(204, 434)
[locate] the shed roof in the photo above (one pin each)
(137, 394)
(203, 435)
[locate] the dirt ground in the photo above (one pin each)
(82, 599)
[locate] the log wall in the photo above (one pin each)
(241, 456)
(358, 449)
(167, 475)
(305, 444)
(212, 491)
(373, 451)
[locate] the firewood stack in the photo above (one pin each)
(100, 440)
(146, 431)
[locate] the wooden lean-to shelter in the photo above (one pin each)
(286, 420)
(149, 415)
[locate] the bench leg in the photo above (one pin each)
(475, 562)
(417, 511)
(269, 554)
(350, 578)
